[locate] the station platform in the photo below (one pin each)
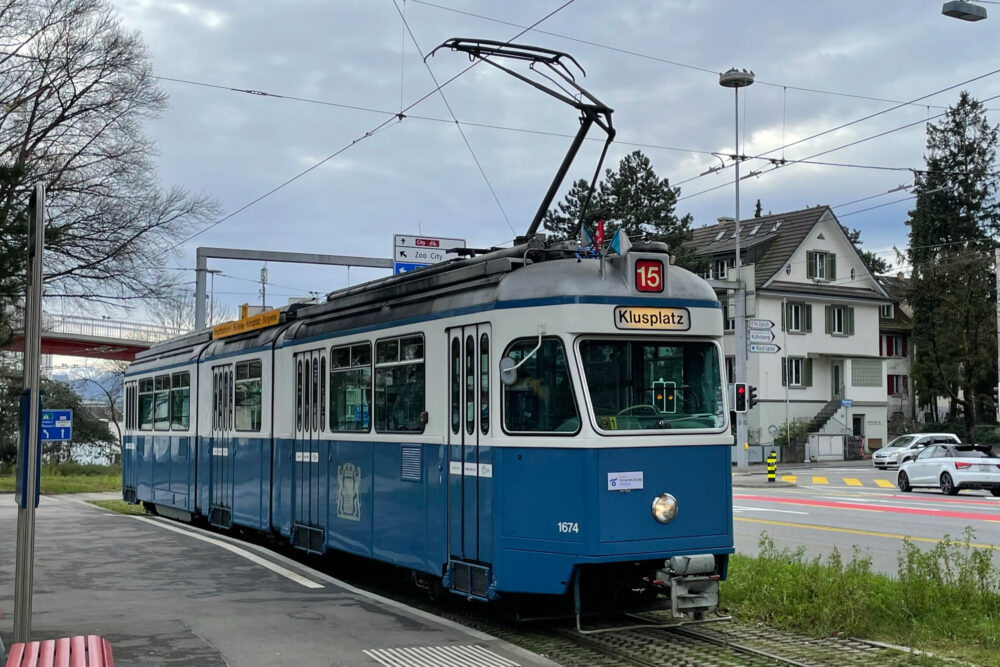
(164, 593)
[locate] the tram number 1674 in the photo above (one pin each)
(568, 527)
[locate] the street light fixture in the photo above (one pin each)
(737, 79)
(963, 10)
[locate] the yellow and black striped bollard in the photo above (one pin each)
(772, 466)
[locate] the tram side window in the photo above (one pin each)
(248, 395)
(541, 398)
(351, 387)
(180, 401)
(146, 404)
(161, 402)
(399, 384)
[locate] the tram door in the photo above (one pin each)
(221, 488)
(470, 464)
(310, 422)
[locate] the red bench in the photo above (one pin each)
(89, 651)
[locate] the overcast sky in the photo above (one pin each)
(657, 63)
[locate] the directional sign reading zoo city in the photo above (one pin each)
(57, 425)
(760, 325)
(413, 252)
(760, 336)
(764, 347)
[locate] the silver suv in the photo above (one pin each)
(906, 447)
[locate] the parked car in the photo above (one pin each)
(952, 468)
(906, 447)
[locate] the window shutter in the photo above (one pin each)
(829, 318)
(888, 384)
(784, 371)
(783, 309)
(881, 341)
(807, 312)
(807, 372)
(850, 321)
(902, 341)
(831, 267)
(810, 264)
(905, 390)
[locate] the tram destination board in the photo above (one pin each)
(411, 252)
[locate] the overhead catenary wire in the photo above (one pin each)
(378, 128)
(468, 145)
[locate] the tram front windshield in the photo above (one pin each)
(653, 385)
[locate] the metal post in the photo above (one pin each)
(997, 270)
(25, 551)
(201, 266)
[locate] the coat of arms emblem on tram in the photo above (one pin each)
(349, 492)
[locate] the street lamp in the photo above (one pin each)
(737, 79)
(963, 10)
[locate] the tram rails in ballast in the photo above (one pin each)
(531, 421)
(494, 426)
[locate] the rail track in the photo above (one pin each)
(717, 643)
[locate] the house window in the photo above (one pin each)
(721, 233)
(894, 346)
(730, 369)
(796, 372)
(866, 372)
(896, 385)
(840, 320)
(886, 311)
(797, 317)
(721, 268)
(821, 265)
(728, 321)
(755, 229)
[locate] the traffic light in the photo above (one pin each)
(751, 396)
(740, 404)
(666, 396)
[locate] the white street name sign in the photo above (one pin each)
(759, 324)
(760, 336)
(764, 347)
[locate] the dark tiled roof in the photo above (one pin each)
(775, 241)
(825, 290)
(898, 288)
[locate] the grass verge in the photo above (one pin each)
(945, 600)
(119, 506)
(73, 478)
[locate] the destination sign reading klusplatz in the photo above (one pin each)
(672, 319)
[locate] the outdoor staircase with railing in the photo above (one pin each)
(823, 416)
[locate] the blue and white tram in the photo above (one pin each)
(522, 422)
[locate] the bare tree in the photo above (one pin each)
(75, 89)
(174, 310)
(109, 378)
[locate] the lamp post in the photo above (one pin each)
(737, 79)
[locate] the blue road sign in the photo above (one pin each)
(406, 267)
(846, 402)
(57, 425)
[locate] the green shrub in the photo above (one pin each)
(985, 434)
(796, 428)
(946, 599)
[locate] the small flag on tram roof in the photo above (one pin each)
(599, 236)
(620, 243)
(586, 240)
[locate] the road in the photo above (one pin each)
(855, 505)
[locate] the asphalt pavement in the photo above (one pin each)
(166, 594)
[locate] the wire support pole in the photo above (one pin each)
(739, 336)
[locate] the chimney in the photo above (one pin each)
(899, 275)
(723, 219)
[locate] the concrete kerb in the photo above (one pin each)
(758, 481)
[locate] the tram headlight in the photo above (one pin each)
(664, 508)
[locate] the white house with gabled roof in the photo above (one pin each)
(804, 275)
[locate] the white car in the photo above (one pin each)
(906, 447)
(952, 468)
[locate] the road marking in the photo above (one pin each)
(867, 533)
(253, 558)
(871, 508)
(852, 481)
(885, 484)
(820, 480)
(742, 508)
(789, 478)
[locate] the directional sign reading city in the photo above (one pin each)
(57, 425)
(760, 336)
(764, 347)
(759, 324)
(413, 252)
